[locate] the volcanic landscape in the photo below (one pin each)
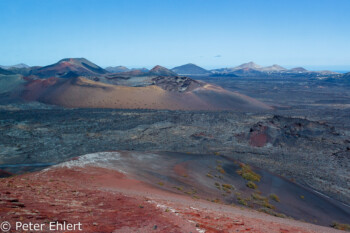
(242, 149)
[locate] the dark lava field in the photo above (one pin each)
(306, 139)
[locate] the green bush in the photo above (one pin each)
(252, 185)
(274, 197)
(247, 173)
(341, 226)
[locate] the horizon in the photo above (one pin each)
(210, 34)
(339, 69)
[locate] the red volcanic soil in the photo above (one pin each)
(258, 137)
(104, 200)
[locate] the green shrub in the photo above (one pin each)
(251, 185)
(227, 186)
(341, 226)
(242, 201)
(247, 173)
(258, 197)
(274, 197)
(271, 212)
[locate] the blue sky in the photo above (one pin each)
(309, 33)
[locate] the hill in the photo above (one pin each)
(117, 69)
(190, 69)
(184, 94)
(5, 72)
(161, 71)
(69, 67)
(9, 83)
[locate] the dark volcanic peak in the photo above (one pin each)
(162, 71)
(117, 69)
(79, 66)
(190, 69)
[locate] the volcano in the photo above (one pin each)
(66, 68)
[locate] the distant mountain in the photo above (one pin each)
(117, 69)
(273, 68)
(253, 70)
(161, 71)
(18, 66)
(69, 67)
(5, 72)
(298, 70)
(190, 69)
(141, 69)
(9, 83)
(245, 68)
(248, 72)
(249, 65)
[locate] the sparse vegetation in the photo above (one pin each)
(274, 197)
(220, 169)
(251, 185)
(302, 197)
(268, 205)
(242, 201)
(258, 197)
(210, 175)
(227, 186)
(271, 212)
(178, 188)
(247, 173)
(160, 183)
(341, 226)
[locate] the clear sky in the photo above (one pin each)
(210, 33)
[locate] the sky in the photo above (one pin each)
(211, 33)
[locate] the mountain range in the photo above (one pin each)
(252, 69)
(74, 67)
(79, 83)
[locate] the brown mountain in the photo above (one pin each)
(188, 95)
(69, 67)
(161, 71)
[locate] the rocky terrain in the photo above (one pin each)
(312, 153)
(92, 192)
(291, 131)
